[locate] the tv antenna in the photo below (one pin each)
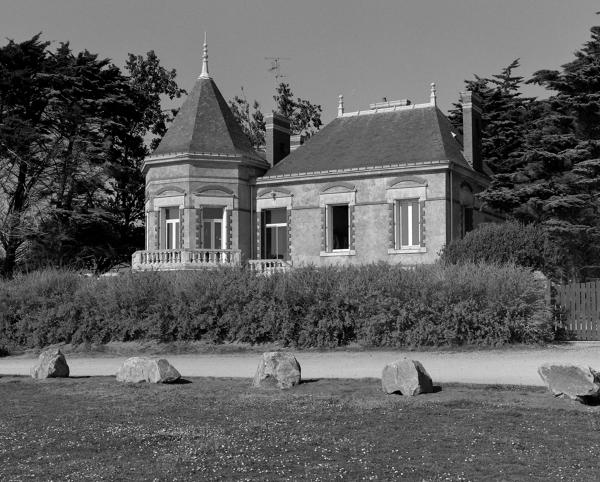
(276, 66)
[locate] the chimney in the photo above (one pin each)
(277, 137)
(296, 141)
(471, 111)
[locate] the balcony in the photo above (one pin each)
(269, 266)
(181, 259)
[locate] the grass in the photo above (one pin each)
(216, 429)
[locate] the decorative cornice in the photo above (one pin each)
(270, 192)
(414, 180)
(213, 187)
(169, 188)
(207, 156)
(353, 170)
(346, 186)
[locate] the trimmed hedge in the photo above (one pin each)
(374, 305)
(508, 242)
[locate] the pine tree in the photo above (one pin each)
(504, 115)
(555, 179)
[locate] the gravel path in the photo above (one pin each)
(510, 366)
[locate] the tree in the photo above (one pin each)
(505, 114)
(304, 116)
(132, 135)
(252, 119)
(74, 131)
(25, 94)
(555, 179)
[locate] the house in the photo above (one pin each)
(391, 183)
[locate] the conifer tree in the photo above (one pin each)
(504, 115)
(555, 179)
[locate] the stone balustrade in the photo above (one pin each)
(179, 259)
(268, 266)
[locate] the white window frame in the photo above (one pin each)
(172, 226)
(403, 191)
(223, 221)
(333, 197)
(275, 225)
(329, 228)
(398, 224)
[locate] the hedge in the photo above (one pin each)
(373, 305)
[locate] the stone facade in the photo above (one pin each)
(393, 183)
(445, 195)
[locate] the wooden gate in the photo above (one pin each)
(580, 306)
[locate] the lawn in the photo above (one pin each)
(215, 429)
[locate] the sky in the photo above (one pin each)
(365, 50)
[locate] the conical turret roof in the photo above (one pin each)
(205, 125)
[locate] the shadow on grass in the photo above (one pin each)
(436, 389)
(309, 380)
(181, 381)
(590, 400)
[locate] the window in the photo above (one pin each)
(212, 227)
(338, 227)
(172, 231)
(274, 234)
(408, 224)
(467, 219)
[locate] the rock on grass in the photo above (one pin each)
(407, 377)
(51, 364)
(277, 368)
(577, 382)
(145, 369)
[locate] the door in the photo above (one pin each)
(274, 234)
(212, 228)
(172, 232)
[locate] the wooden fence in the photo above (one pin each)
(580, 307)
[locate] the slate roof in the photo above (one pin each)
(413, 135)
(205, 124)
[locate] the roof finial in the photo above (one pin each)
(340, 105)
(432, 97)
(204, 74)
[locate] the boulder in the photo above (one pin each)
(406, 376)
(577, 382)
(277, 368)
(51, 364)
(144, 369)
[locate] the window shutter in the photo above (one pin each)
(259, 218)
(351, 227)
(391, 227)
(229, 220)
(422, 222)
(416, 225)
(181, 229)
(199, 228)
(324, 229)
(157, 229)
(404, 241)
